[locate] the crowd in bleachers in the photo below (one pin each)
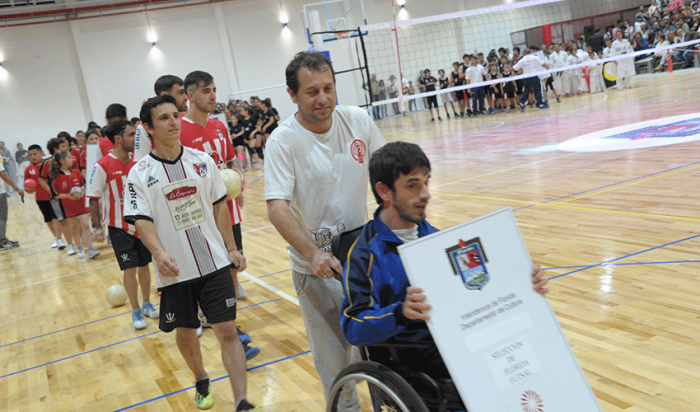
(662, 23)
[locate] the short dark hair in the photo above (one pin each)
(196, 79)
(165, 83)
(135, 120)
(92, 131)
(92, 125)
(35, 147)
(516, 48)
(306, 60)
(115, 111)
(53, 144)
(152, 103)
(64, 135)
(116, 128)
(393, 160)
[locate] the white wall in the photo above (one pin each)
(60, 76)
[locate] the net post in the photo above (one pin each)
(364, 56)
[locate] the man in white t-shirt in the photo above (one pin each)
(531, 64)
(475, 74)
(175, 197)
(316, 187)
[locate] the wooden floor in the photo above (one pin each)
(633, 322)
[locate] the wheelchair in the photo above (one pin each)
(383, 381)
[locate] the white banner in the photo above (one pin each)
(498, 337)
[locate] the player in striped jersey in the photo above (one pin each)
(175, 196)
(107, 183)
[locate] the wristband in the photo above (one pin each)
(232, 250)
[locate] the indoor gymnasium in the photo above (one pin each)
(596, 164)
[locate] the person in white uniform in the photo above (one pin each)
(174, 198)
(316, 187)
(619, 47)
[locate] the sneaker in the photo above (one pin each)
(61, 244)
(250, 351)
(93, 253)
(203, 397)
(246, 406)
(456, 115)
(432, 120)
(244, 337)
(150, 311)
(71, 249)
(81, 253)
(493, 111)
(8, 246)
(440, 118)
(507, 110)
(558, 100)
(54, 245)
(521, 107)
(199, 331)
(242, 294)
(138, 320)
(448, 115)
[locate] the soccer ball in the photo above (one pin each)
(77, 191)
(116, 295)
(233, 183)
(30, 185)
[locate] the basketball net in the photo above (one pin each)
(344, 38)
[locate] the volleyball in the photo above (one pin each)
(233, 183)
(30, 185)
(116, 295)
(77, 191)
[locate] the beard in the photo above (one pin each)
(402, 209)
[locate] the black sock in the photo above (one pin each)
(259, 151)
(243, 405)
(202, 386)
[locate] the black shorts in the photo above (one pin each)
(459, 95)
(432, 102)
(238, 237)
(519, 86)
(129, 250)
(214, 293)
(46, 210)
(509, 90)
(239, 141)
(270, 129)
(58, 209)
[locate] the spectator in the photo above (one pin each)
(660, 55)
(9, 165)
(382, 96)
(373, 88)
(22, 160)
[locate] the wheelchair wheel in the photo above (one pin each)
(379, 389)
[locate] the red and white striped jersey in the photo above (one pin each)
(213, 139)
(107, 183)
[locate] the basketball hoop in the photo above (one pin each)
(344, 38)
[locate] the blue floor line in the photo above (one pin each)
(607, 262)
(213, 380)
(626, 264)
(111, 344)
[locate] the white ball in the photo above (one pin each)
(77, 191)
(116, 295)
(233, 183)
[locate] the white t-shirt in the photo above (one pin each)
(324, 176)
(179, 197)
(475, 74)
(142, 143)
(529, 64)
(2, 182)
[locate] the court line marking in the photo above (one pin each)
(503, 170)
(95, 268)
(213, 380)
(607, 262)
(624, 181)
(271, 288)
(627, 185)
(626, 264)
(112, 344)
(591, 209)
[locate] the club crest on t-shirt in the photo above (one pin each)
(468, 260)
(201, 169)
(358, 150)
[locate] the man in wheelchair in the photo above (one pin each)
(380, 305)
